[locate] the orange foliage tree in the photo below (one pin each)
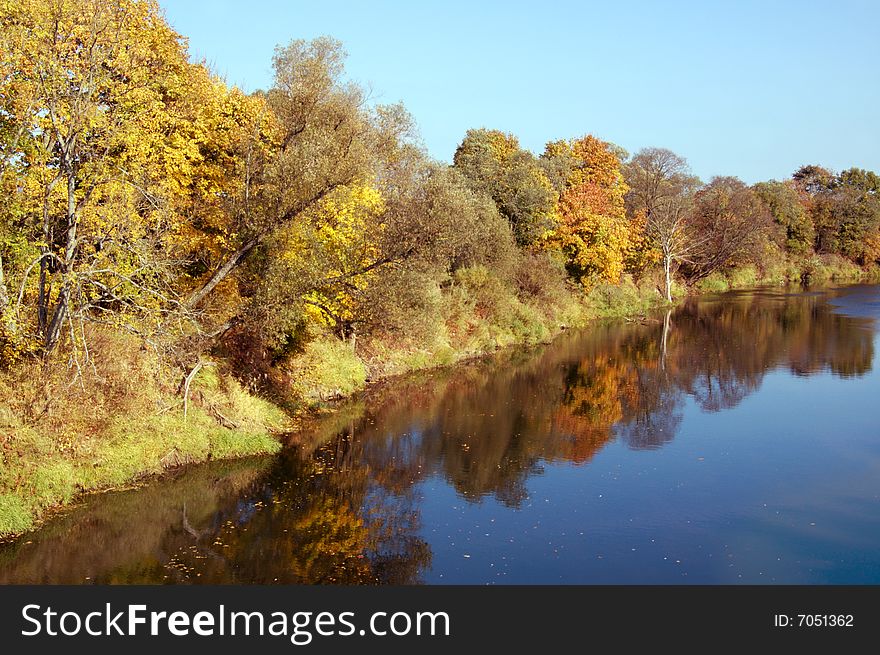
(593, 233)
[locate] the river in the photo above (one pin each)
(735, 439)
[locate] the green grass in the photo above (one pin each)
(713, 283)
(328, 368)
(815, 269)
(830, 268)
(743, 276)
(46, 474)
(15, 515)
(624, 299)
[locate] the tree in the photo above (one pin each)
(99, 108)
(845, 210)
(367, 256)
(733, 225)
(495, 164)
(593, 233)
(671, 229)
(654, 174)
(790, 213)
(813, 179)
(661, 191)
(323, 140)
(859, 210)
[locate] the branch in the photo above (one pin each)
(27, 272)
(186, 384)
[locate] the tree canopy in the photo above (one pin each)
(141, 192)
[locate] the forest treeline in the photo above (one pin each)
(162, 231)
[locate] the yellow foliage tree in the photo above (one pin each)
(593, 232)
(333, 254)
(104, 106)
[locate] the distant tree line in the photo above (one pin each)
(141, 192)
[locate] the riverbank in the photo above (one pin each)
(120, 422)
(122, 418)
(330, 369)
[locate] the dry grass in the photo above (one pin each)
(64, 432)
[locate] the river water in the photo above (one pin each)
(733, 440)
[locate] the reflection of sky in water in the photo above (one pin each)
(746, 451)
(737, 497)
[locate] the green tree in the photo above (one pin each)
(845, 210)
(495, 164)
(790, 213)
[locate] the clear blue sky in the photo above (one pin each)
(753, 89)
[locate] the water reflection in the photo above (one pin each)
(346, 505)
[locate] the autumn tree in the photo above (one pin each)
(323, 139)
(661, 189)
(654, 174)
(790, 212)
(846, 212)
(99, 111)
(860, 220)
(593, 233)
(366, 256)
(496, 164)
(813, 179)
(672, 230)
(844, 209)
(733, 225)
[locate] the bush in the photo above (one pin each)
(328, 368)
(743, 276)
(541, 280)
(781, 271)
(624, 299)
(713, 283)
(820, 269)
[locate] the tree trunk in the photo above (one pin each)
(238, 256)
(62, 306)
(220, 274)
(4, 296)
(667, 266)
(53, 331)
(7, 319)
(43, 296)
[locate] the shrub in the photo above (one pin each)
(624, 299)
(327, 368)
(743, 276)
(713, 283)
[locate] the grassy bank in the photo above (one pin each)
(479, 317)
(475, 316)
(118, 422)
(813, 270)
(122, 418)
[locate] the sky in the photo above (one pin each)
(752, 89)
